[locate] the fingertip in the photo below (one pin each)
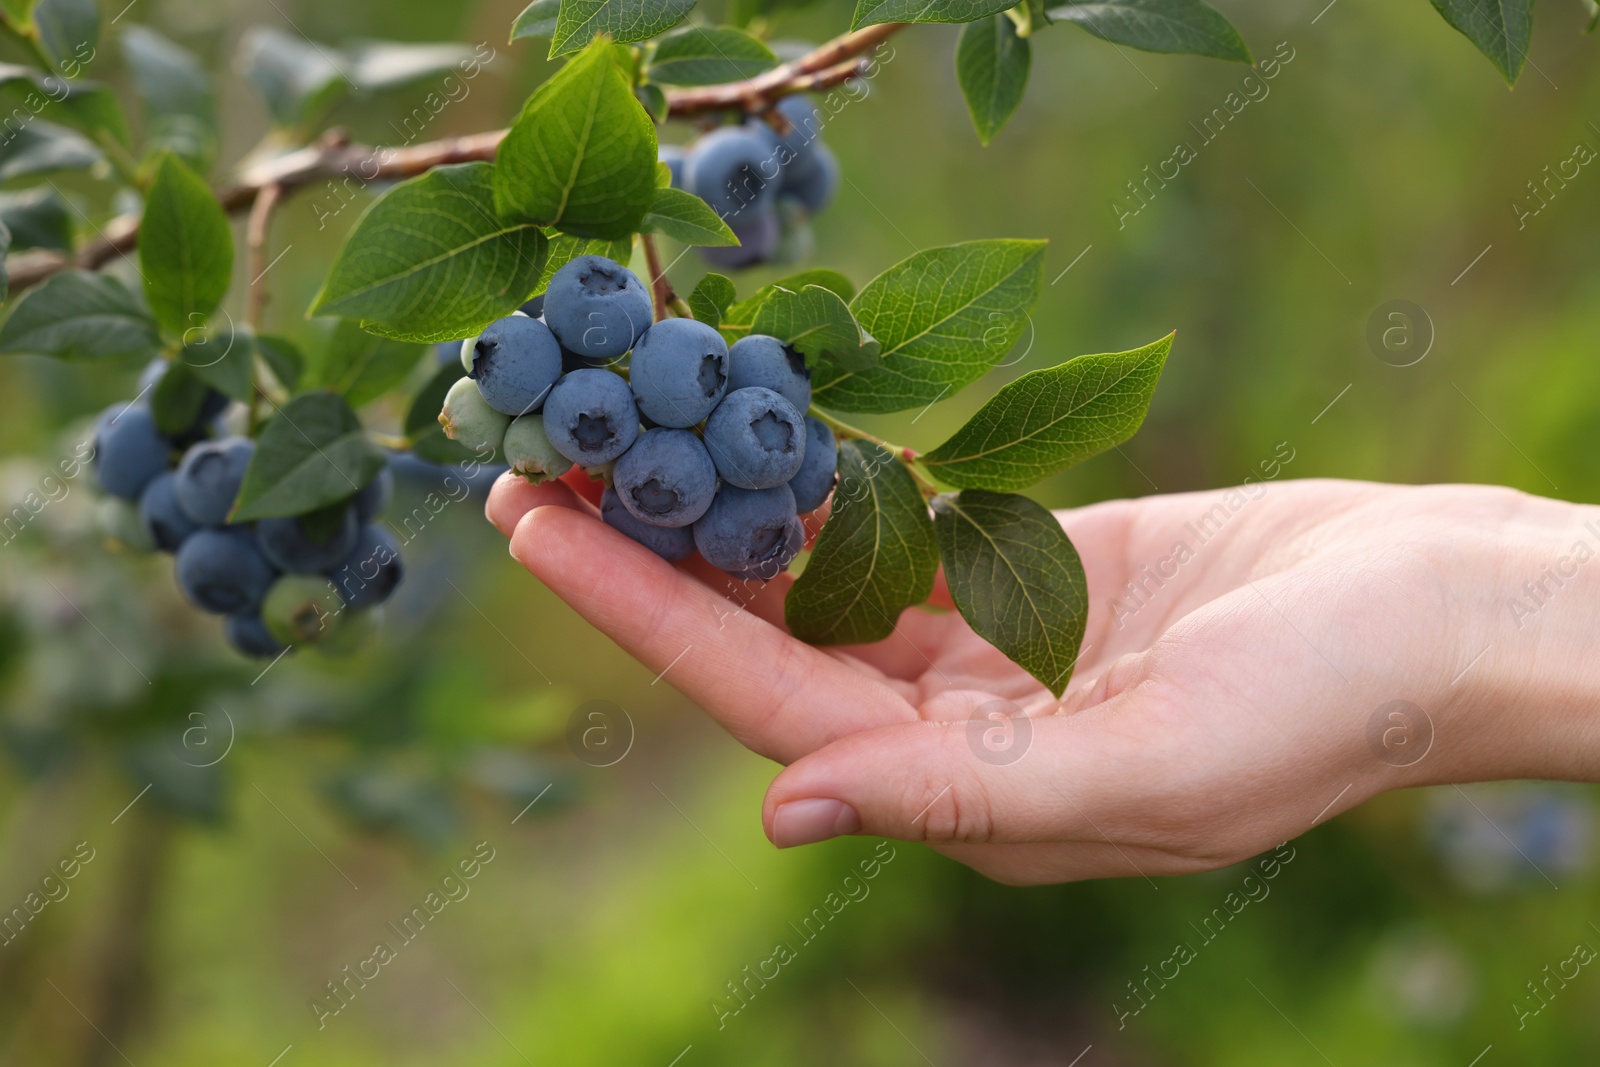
(513, 497)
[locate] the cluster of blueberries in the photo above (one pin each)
(279, 583)
(764, 185)
(704, 447)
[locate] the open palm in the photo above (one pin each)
(1267, 667)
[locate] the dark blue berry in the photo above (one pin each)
(128, 450)
(756, 438)
(249, 637)
(679, 372)
(596, 307)
(372, 571)
(590, 417)
(671, 543)
(666, 478)
(815, 480)
(223, 572)
(515, 362)
(164, 521)
(210, 476)
(299, 547)
(759, 360)
(748, 529)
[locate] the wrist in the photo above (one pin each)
(1524, 701)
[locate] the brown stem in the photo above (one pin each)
(660, 287)
(336, 159)
(256, 238)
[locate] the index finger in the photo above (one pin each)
(776, 695)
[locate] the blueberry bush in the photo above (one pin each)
(532, 258)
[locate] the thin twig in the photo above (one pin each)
(660, 287)
(336, 158)
(256, 238)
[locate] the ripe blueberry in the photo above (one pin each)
(802, 144)
(372, 571)
(766, 361)
(735, 170)
(468, 419)
(666, 478)
(596, 307)
(223, 571)
(590, 417)
(530, 453)
(210, 476)
(249, 637)
(746, 529)
(776, 559)
(817, 473)
(673, 156)
(164, 521)
(815, 190)
(679, 372)
(128, 450)
(515, 362)
(756, 438)
(759, 235)
(671, 543)
(301, 609)
(301, 547)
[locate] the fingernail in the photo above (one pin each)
(805, 822)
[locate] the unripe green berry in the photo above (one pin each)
(528, 450)
(469, 420)
(355, 629)
(119, 521)
(469, 352)
(302, 609)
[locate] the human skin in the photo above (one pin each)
(1233, 711)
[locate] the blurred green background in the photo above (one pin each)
(1382, 165)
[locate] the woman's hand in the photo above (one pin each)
(1257, 660)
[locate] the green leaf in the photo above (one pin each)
(80, 316)
(582, 155)
(18, 13)
(311, 454)
(871, 11)
(875, 557)
(624, 20)
(712, 55)
(816, 323)
(423, 433)
(1052, 419)
(685, 217)
(538, 19)
(94, 109)
(41, 147)
(225, 361)
(740, 316)
(283, 357)
(300, 81)
(1016, 579)
(712, 298)
(185, 248)
(361, 367)
(68, 30)
(565, 249)
(1159, 26)
(992, 66)
(944, 317)
(1499, 28)
(431, 261)
(179, 100)
(178, 398)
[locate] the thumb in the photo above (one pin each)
(999, 778)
